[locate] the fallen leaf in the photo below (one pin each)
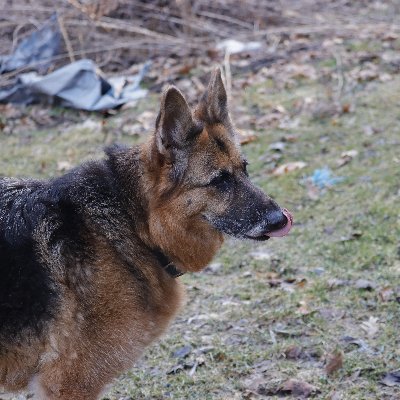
(350, 153)
(182, 352)
(254, 382)
(293, 352)
(202, 317)
(288, 167)
(289, 138)
(364, 284)
(370, 130)
(334, 362)
(175, 369)
(353, 236)
(335, 396)
(277, 146)
(198, 362)
(386, 294)
(304, 309)
(391, 379)
(213, 268)
(385, 77)
(367, 72)
(301, 282)
(191, 366)
(279, 108)
(247, 137)
(260, 255)
(356, 234)
(346, 157)
(355, 341)
(323, 110)
(346, 108)
(390, 36)
(298, 71)
(331, 314)
(274, 282)
(263, 366)
(204, 349)
(146, 119)
(220, 356)
(371, 327)
(288, 333)
(335, 282)
(299, 388)
(63, 166)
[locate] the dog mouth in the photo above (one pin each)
(278, 232)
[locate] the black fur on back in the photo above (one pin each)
(63, 213)
(27, 294)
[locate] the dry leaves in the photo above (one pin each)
(299, 388)
(293, 352)
(369, 72)
(289, 167)
(146, 119)
(371, 327)
(364, 284)
(246, 137)
(63, 166)
(391, 379)
(334, 362)
(346, 157)
(304, 308)
(386, 294)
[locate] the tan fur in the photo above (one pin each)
(113, 306)
(83, 352)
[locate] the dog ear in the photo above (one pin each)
(214, 104)
(174, 125)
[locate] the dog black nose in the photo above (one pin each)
(276, 220)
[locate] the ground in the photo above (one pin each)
(314, 314)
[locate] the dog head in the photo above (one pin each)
(201, 189)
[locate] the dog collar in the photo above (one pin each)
(167, 265)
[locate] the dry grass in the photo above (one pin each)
(267, 313)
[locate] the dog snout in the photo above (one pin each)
(276, 220)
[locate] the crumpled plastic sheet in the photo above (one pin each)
(323, 178)
(78, 85)
(41, 45)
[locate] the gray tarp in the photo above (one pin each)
(77, 85)
(37, 49)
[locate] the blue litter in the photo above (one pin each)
(323, 178)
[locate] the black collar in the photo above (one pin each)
(167, 265)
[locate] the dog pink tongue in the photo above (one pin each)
(285, 230)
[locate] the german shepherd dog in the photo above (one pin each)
(88, 260)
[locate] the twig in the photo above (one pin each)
(6, 78)
(78, 6)
(309, 29)
(110, 23)
(186, 12)
(194, 24)
(15, 36)
(64, 33)
(225, 18)
(341, 79)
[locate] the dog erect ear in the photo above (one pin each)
(214, 104)
(175, 125)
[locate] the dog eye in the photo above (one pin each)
(222, 179)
